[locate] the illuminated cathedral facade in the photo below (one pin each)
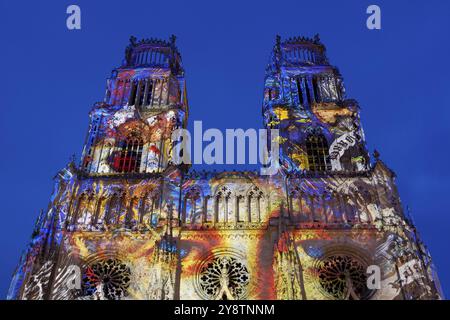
(128, 223)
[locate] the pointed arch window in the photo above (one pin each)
(317, 151)
(192, 206)
(223, 205)
(128, 159)
(254, 198)
(80, 209)
(150, 209)
(114, 209)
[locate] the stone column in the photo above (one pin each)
(226, 198)
(144, 100)
(205, 209)
(216, 209)
(236, 209)
(249, 209)
(184, 212)
(138, 93)
(258, 209)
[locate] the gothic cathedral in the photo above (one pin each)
(128, 223)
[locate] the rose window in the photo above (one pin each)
(343, 277)
(223, 277)
(108, 279)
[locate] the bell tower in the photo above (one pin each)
(126, 184)
(145, 101)
(304, 97)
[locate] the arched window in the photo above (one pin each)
(80, 209)
(132, 216)
(223, 205)
(112, 210)
(85, 213)
(100, 210)
(105, 153)
(193, 206)
(149, 208)
(317, 151)
(128, 159)
(254, 204)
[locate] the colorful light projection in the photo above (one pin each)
(139, 227)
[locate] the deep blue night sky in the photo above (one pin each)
(51, 77)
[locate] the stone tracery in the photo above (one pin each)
(223, 278)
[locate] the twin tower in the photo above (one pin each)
(128, 223)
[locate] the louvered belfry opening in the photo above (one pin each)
(317, 151)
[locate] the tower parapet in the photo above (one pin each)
(153, 53)
(303, 51)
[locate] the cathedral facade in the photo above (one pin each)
(128, 223)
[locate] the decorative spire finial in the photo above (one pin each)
(376, 154)
(316, 37)
(172, 39)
